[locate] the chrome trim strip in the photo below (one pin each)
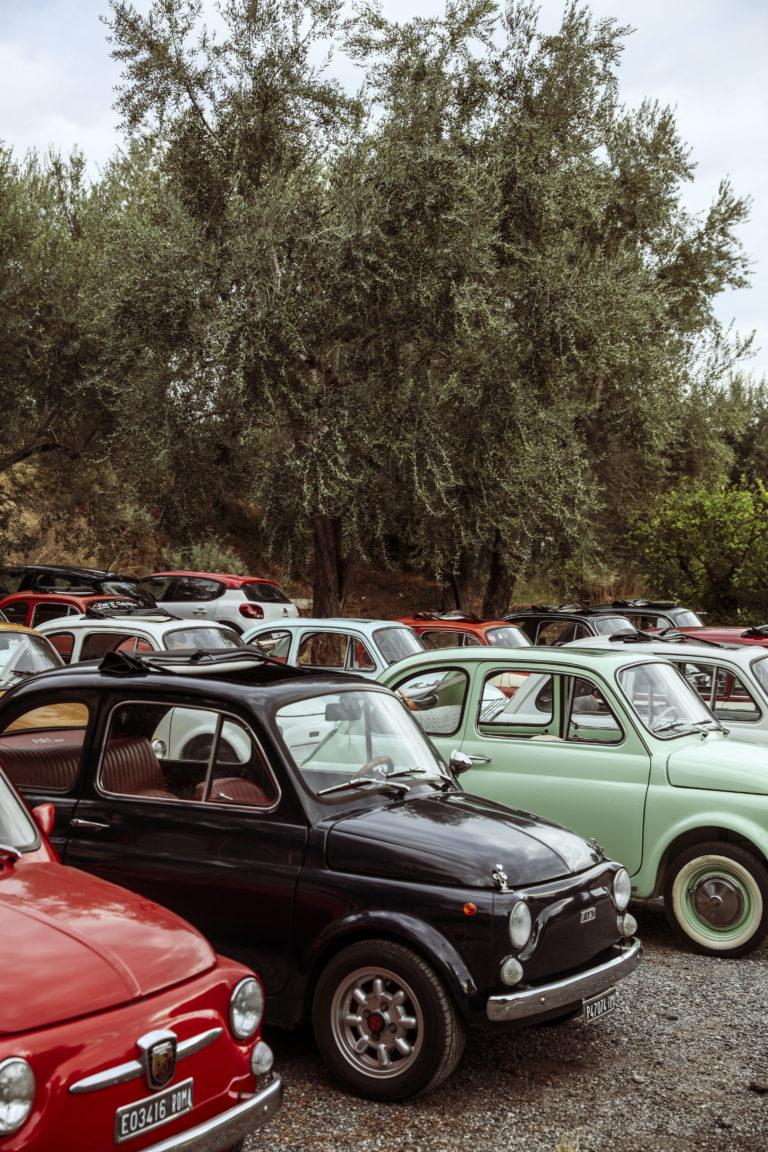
(134, 1069)
(528, 1003)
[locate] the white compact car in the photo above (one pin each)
(98, 631)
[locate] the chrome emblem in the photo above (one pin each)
(588, 914)
(500, 877)
(157, 1052)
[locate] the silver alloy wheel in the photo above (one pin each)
(377, 1022)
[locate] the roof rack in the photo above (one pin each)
(757, 632)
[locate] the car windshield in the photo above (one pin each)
(16, 827)
(507, 637)
(687, 619)
(354, 741)
(397, 643)
(21, 655)
(664, 701)
(607, 625)
(201, 638)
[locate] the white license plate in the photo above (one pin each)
(133, 1119)
(598, 1006)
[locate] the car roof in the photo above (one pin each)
(156, 624)
(7, 626)
(227, 578)
(339, 623)
(668, 647)
(607, 659)
(241, 674)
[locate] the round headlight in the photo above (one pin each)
(622, 889)
(511, 971)
(17, 1094)
(520, 924)
(246, 1008)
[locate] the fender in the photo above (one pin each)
(425, 939)
(742, 821)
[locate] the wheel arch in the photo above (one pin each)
(423, 938)
(703, 834)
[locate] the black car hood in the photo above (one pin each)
(455, 839)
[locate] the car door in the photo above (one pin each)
(193, 597)
(560, 747)
(214, 837)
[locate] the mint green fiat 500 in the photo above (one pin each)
(619, 747)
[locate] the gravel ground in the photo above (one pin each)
(680, 1066)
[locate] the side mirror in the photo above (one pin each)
(459, 762)
(45, 818)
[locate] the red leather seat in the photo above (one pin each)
(131, 769)
(234, 790)
(47, 766)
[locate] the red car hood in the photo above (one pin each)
(72, 945)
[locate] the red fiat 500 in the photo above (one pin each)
(118, 1022)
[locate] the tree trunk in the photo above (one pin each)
(498, 590)
(457, 590)
(328, 592)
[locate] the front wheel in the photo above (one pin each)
(716, 895)
(384, 1023)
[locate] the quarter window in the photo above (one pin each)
(41, 749)
(436, 699)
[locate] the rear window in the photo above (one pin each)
(265, 594)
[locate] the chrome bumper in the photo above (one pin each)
(230, 1126)
(528, 1003)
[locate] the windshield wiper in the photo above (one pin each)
(692, 725)
(369, 783)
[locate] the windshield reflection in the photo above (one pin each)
(663, 700)
(367, 735)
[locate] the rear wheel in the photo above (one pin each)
(716, 895)
(384, 1023)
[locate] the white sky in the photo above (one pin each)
(705, 58)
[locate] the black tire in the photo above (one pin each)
(716, 897)
(414, 1034)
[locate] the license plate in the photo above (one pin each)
(598, 1006)
(133, 1119)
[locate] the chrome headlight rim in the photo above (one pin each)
(622, 889)
(520, 924)
(15, 1113)
(246, 1008)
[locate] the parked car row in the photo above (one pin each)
(345, 808)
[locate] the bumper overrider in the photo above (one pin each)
(230, 1126)
(527, 1003)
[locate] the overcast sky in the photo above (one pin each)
(705, 58)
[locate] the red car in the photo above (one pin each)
(118, 1021)
(454, 629)
(33, 608)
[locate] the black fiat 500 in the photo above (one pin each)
(304, 822)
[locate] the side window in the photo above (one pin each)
(555, 632)
(275, 643)
(41, 749)
(441, 638)
(323, 649)
(63, 642)
(16, 613)
(588, 716)
(183, 754)
(359, 656)
(99, 643)
(196, 588)
(436, 699)
(157, 586)
(54, 611)
(518, 704)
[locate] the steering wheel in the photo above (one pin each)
(374, 762)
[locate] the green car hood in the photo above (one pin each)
(721, 764)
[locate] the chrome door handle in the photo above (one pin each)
(76, 822)
(480, 759)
